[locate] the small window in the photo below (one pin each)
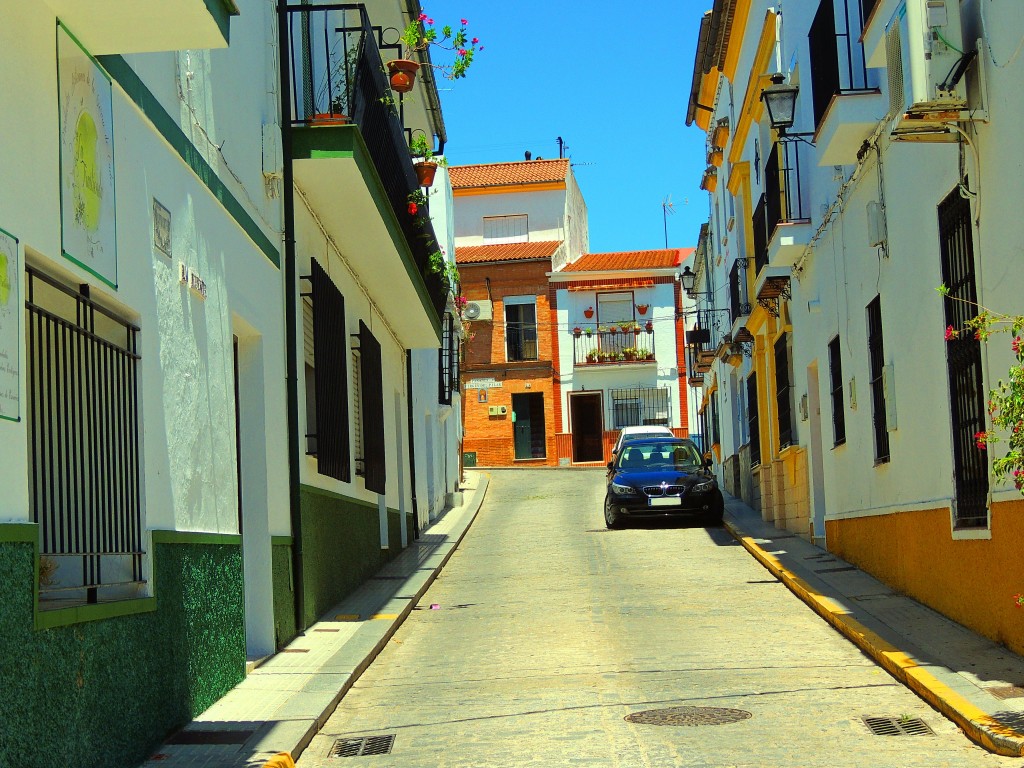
(876, 358)
(614, 307)
(506, 229)
(835, 369)
(520, 328)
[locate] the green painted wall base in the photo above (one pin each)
(341, 549)
(106, 692)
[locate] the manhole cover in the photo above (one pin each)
(363, 746)
(898, 726)
(689, 716)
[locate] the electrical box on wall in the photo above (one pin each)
(497, 410)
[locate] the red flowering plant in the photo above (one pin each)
(417, 199)
(1006, 399)
(421, 33)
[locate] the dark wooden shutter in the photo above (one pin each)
(330, 351)
(371, 385)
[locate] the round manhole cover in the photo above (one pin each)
(689, 716)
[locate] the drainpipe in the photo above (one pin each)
(290, 304)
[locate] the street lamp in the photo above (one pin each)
(781, 103)
(688, 279)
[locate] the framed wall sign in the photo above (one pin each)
(85, 104)
(10, 314)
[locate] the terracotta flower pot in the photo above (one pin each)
(425, 173)
(642, 308)
(588, 313)
(327, 118)
(402, 74)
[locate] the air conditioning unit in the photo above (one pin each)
(477, 310)
(926, 70)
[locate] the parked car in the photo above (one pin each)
(638, 433)
(661, 477)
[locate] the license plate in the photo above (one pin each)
(664, 501)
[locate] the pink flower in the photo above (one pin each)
(423, 17)
(464, 22)
(1016, 346)
(462, 51)
(475, 40)
(430, 22)
(950, 333)
(979, 440)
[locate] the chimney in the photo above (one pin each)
(529, 155)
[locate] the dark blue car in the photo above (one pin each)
(661, 478)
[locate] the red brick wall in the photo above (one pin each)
(489, 436)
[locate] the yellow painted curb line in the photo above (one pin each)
(280, 760)
(978, 725)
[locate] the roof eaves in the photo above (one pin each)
(698, 67)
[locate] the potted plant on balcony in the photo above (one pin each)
(591, 357)
(649, 354)
(613, 329)
(588, 312)
(577, 331)
(427, 165)
(629, 353)
(588, 331)
(642, 308)
(419, 35)
(416, 199)
(336, 90)
(649, 327)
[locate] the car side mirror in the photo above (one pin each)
(611, 465)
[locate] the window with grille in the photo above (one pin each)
(752, 421)
(520, 328)
(327, 406)
(448, 361)
(715, 433)
(506, 229)
(876, 359)
(638, 406)
(83, 440)
(835, 372)
(783, 391)
(963, 363)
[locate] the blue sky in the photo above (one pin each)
(612, 80)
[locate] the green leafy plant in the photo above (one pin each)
(1006, 399)
(421, 34)
(424, 150)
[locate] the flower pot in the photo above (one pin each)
(425, 173)
(637, 330)
(642, 308)
(588, 313)
(649, 327)
(576, 332)
(327, 118)
(402, 74)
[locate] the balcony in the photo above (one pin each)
(787, 203)
(845, 98)
(630, 347)
(116, 26)
(353, 168)
(739, 307)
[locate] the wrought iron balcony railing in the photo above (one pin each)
(337, 75)
(629, 345)
(836, 53)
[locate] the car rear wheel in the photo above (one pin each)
(611, 519)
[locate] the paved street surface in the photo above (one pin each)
(550, 630)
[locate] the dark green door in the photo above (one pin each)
(528, 425)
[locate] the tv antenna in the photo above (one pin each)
(667, 209)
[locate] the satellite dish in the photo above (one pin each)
(471, 311)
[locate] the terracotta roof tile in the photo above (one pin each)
(613, 262)
(478, 254)
(502, 174)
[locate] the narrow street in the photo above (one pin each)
(545, 631)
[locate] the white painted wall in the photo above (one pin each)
(571, 306)
(186, 369)
(546, 211)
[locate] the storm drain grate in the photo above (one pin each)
(363, 746)
(898, 726)
(1007, 692)
(690, 716)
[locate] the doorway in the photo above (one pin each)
(528, 426)
(817, 460)
(587, 426)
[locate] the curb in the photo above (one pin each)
(976, 724)
(476, 502)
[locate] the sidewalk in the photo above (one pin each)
(976, 683)
(281, 704)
